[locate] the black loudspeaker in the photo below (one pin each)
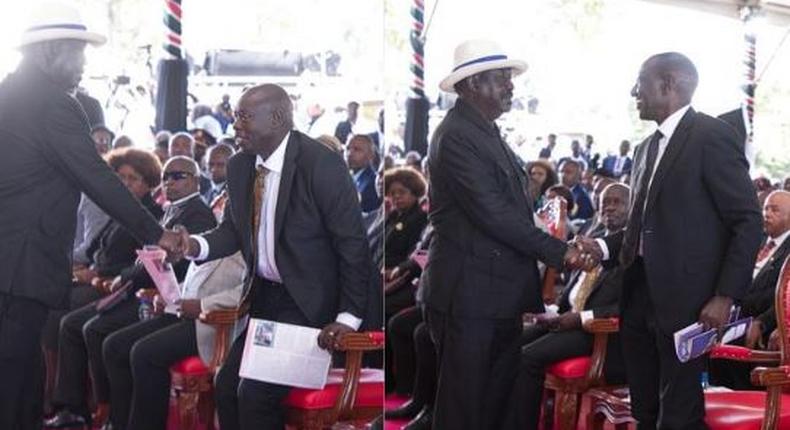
(416, 133)
(171, 95)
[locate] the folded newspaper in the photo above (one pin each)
(694, 341)
(161, 272)
(284, 354)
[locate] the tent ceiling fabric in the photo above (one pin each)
(775, 11)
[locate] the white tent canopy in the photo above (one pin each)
(774, 11)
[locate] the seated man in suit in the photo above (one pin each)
(138, 357)
(293, 212)
(359, 156)
(593, 294)
(759, 299)
(570, 176)
(619, 165)
(83, 330)
(217, 166)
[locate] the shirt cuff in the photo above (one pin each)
(586, 316)
(203, 245)
(349, 320)
(604, 249)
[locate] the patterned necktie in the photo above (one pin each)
(634, 228)
(257, 203)
(587, 282)
(765, 251)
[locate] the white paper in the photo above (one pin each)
(161, 272)
(284, 354)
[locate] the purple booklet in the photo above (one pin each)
(694, 341)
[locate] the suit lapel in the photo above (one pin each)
(780, 254)
(674, 147)
(286, 181)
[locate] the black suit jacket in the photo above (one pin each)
(401, 234)
(758, 301)
(320, 247)
(482, 259)
(48, 159)
(196, 217)
(702, 225)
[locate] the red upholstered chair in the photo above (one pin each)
(734, 410)
(192, 380)
(568, 379)
(351, 394)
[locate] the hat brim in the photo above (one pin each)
(94, 39)
(448, 83)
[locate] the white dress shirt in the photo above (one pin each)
(667, 129)
(584, 315)
(267, 264)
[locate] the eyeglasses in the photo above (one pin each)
(175, 176)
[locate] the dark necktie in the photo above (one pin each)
(257, 202)
(633, 230)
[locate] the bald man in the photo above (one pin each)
(293, 212)
(689, 246)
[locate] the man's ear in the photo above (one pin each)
(277, 118)
(668, 83)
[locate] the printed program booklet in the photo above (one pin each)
(694, 341)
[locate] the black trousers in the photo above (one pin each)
(665, 393)
(117, 358)
(21, 367)
(478, 362)
(425, 378)
(540, 349)
(400, 333)
(245, 403)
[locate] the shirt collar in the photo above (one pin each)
(780, 239)
(275, 161)
(183, 200)
(671, 122)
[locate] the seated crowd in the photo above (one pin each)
(596, 199)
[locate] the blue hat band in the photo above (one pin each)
(480, 60)
(58, 27)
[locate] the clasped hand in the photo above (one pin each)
(176, 243)
(583, 254)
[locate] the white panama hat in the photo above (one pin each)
(56, 21)
(475, 56)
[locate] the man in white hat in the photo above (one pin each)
(50, 159)
(482, 273)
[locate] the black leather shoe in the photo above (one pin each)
(410, 409)
(422, 421)
(65, 419)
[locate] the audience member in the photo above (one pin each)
(619, 165)
(413, 159)
(541, 176)
(359, 157)
(181, 144)
(551, 142)
(555, 337)
(217, 167)
(224, 113)
(103, 138)
(331, 142)
(122, 141)
(576, 155)
(345, 128)
(161, 145)
(570, 176)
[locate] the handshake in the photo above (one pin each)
(583, 253)
(178, 244)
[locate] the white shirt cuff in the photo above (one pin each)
(586, 316)
(203, 245)
(604, 249)
(349, 320)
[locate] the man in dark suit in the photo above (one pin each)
(50, 158)
(83, 331)
(619, 165)
(346, 128)
(758, 302)
(571, 175)
(294, 214)
(690, 242)
(589, 294)
(359, 156)
(481, 273)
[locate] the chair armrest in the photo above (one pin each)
(602, 325)
(771, 376)
(741, 353)
(600, 329)
(223, 321)
(354, 345)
